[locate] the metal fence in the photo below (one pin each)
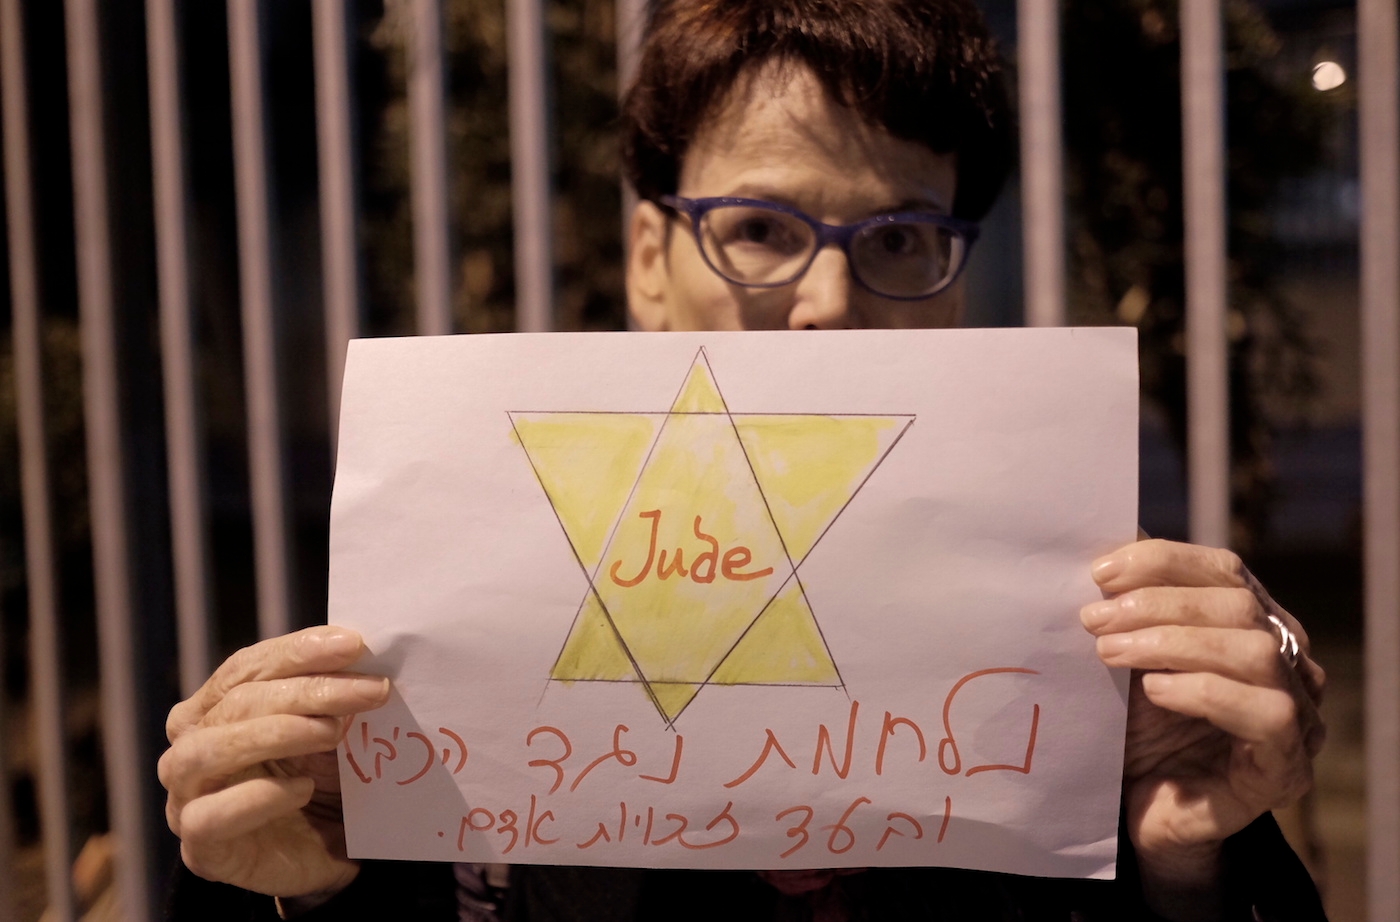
(133, 702)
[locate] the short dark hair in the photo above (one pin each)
(924, 70)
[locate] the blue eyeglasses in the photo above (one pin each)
(905, 256)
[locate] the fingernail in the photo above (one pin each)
(341, 642)
(1096, 614)
(1114, 645)
(1157, 683)
(371, 689)
(1106, 568)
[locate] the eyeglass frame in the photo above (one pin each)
(696, 208)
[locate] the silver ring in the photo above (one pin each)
(1287, 641)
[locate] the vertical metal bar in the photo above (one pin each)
(631, 21)
(272, 550)
(8, 910)
(529, 157)
(1042, 160)
(335, 149)
(188, 517)
(1379, 115)
(131, 810)
(428, 141)
(631, 25)
(45, 644)
(1207, 384)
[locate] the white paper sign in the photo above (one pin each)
(736, 600)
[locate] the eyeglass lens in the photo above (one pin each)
(759, 246)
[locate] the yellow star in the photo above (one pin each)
(691, 526)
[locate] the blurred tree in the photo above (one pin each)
(1123, 144)
(587, 203)
(63, 412)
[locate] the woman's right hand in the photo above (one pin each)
(253, 786)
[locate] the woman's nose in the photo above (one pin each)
(822, 300)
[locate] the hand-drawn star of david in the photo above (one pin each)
(691, 526)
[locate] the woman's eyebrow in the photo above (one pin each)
(917, 204)
(768, 193)
(764, 193)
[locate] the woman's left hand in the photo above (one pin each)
(1220, 727)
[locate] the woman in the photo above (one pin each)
(807, 165)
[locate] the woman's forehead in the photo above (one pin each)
(778, 134)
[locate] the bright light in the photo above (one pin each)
(1328, 75)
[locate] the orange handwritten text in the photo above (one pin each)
(679, 825)
(625, 757)
(839, 828)
(506, 823)
(798, 832)
(702, 566)
(418, 753)
(891, 831)
(619, 754)
(949, 743)
(556, 764)
(824, 742)
(949, 757)
(845, 833)
(849, 758)
(770, 745)
(887, 733)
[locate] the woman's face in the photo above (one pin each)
(779, 138)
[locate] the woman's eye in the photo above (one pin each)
(756, 230)
(759, 230)
(898, 241)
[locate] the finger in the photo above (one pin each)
(1159, 563)
(321, 649)
(309, 696)
(1313, 677)
(1273, 608)
(242, 808)
(1156, 562)
(1249, 656)
(202, 760)
(1285, 732)
(1309, 674)
(1186, 606)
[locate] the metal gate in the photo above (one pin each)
(124, 480)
